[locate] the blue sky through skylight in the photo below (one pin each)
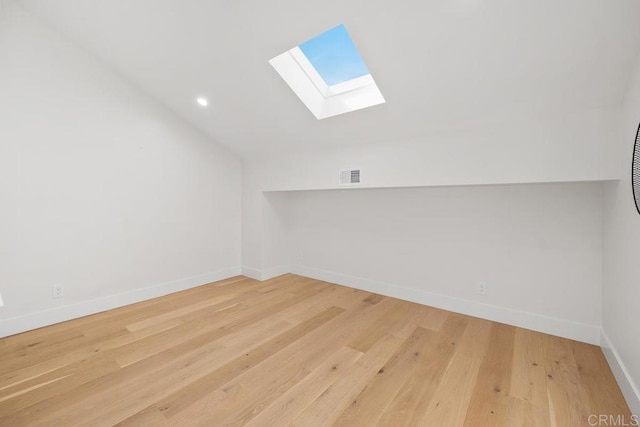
(334, 56)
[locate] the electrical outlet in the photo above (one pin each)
(57, 291)
(482, 288)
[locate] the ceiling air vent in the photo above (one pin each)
(350, 176)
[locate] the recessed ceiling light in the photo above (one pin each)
(202, 101)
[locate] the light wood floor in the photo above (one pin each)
(297, 351)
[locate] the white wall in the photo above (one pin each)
(621, 267)
(555, 147)
(264, 238)
(537, 247)
(101, 189)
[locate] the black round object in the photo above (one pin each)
(635, 171)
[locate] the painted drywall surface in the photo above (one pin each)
(537, 148)
(537, 247)
(101, 190)
(264, 233)
(621, 266)
(556, 148)
(276, 244)
(252, 225)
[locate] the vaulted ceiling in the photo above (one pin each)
(441, 64)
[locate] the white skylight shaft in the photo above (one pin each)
(309, 70)
(307, 82)
(323, 102)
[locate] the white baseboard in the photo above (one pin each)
(253, 273)
(629, 388)
(266, 274)
(66, 312)
(549, 325)
(270, 273)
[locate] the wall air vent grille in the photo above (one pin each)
(349, 177)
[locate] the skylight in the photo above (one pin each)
(334, 56)
(328, 74)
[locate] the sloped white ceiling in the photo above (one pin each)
(441, 64)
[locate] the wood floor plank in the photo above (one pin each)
(52, 384)
(433, 318)
(381, 327)
(418, 390)
(150, 416)
(529, 378)
(148, 367)
(475, 339)
(297, 351)
(171, 315)
(413, 400)
(335, 399)
(489, 404)
(367, 408)
(450, 401)
(330, 296)
(284, 409)
(569, 402)
(597, 380)
(180, 400)
(288, 366)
